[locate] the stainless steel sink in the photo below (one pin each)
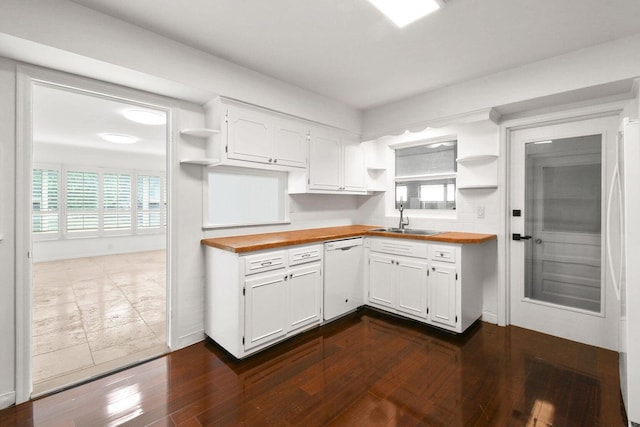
(415, 231)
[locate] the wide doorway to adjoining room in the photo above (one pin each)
(99, 235)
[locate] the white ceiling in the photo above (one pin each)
(66, 117)
(346, 50)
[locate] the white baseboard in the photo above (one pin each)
(489, 317)
(189, 339)
(7, 399)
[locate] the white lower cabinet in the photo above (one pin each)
(265, 321)
(411, 286)
(442, 294)
(305, 296)
(381, 280)
(398, 282)
(256, 300)
(438, 284)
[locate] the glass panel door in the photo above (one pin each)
(563, 193)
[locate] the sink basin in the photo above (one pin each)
(409, 231)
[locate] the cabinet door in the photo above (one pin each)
(442, 294)
(325, 161)
(411, 286)
(266, 300)
(248, 136)
(291, 143)
(305, 296)
(381, 280)
(354, 167)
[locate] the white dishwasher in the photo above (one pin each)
(343, 276)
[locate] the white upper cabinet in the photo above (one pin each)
(291, 143)
(249, 134)
(354, 178)
(261, 137)
(325, 154)
(256, 138)
(336, 165)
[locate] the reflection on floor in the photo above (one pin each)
(94, 315)
(367, 369)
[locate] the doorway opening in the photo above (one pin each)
(98, 234)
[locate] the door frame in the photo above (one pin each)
(26, 77)
(507, 128)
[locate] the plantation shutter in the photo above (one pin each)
(82, 201)
(45, 199)
(116, 199)
(149, 201)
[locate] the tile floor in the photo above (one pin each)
(97, 314)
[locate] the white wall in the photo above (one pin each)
(7, 230)
(58, 154)
(66, 36)
(585, 68)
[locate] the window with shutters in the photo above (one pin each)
(116, 201)
(150, 203)
(45, 196)
(82, 197)
(79, 202)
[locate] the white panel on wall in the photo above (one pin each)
(245, 196)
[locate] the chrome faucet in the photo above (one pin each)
(403, 223)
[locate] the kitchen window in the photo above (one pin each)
(426, 176)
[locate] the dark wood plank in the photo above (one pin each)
(367, 369)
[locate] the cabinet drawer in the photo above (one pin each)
(264, 262)
(443, 253)
(400, 247)
(305, 254)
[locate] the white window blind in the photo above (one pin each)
(425, 176)
(149, 203)
(116, 201)
(45, 198)
(82, 201)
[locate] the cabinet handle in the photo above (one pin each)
(286, 277)
(266, 263)
(275, 160)
(270, 160)
(291, 276)
(433, 268)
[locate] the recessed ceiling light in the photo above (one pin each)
(118, 138)
(146, 117)
(404, 12)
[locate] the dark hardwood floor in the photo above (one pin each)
(367, 369)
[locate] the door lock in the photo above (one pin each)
(517, 236)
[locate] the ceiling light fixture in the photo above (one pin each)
(118, 138)
(145, 117)
(404, 12)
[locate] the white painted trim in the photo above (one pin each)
(26, 76)
(488, 114)
(24, 162)
(7, 399)
(190, 339)
(490, 317)
(506, 129)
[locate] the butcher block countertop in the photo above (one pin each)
(257, 242)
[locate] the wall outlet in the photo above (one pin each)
(480, 212)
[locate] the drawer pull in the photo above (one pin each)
(266, 263)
